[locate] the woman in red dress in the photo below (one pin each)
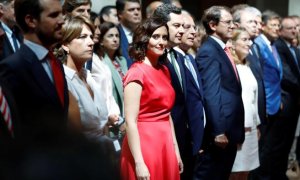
(150, 148)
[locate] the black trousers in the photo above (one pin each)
(277, 136)
(215, 163)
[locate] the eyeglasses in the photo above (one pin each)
(274, 25)
(229, 22)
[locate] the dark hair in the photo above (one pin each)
(27, 7)
(163, 11)
(6, 1)
(70, 5)
(142, 35)
(104, 27)
(93, 16)
(269, 15)
(120, 4)
(212, 14)
(105, 11)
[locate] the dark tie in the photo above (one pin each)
(5, 111)
(14, 38)
(189, 65)
(177, 70)
(275, 54)
(296, 54)
(57, 76)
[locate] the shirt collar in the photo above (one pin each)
(7, 30)
(127, 31)
(40, 51)
(266, 39)
(179, 50)
(219, 41)
(71, 73)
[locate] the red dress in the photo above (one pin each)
(153, 123)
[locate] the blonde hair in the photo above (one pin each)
(236, 34)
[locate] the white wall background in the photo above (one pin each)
(294, 7)
(98, 4)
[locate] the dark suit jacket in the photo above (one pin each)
(124, 46)
(194, 106)
(256, 68)
(290, 83)
(178, 112)
(7, 47)
(42, 117)
(222, 94)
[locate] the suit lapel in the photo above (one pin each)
(290, 58)
(39, 75)
(124, 46)
(198, 76)
(224, 59)
(174, 78)
(266, 52)
(115, 76)
(180, 60)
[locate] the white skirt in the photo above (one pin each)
(247, 157)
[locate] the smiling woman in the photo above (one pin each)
(248, 152)
(149, 148)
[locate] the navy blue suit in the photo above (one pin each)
(43, 119)
(124, 45)
(187, 113)
(194, 106)
(256, 68)
(178, 112)
(224, 111)
(7, 47)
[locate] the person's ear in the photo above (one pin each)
(66, 48)
(213, 25)
(31, 21)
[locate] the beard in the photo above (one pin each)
(49, 38)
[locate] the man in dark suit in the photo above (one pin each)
(130, 15)
(35, 79)
(224, 129)
(12, 38)
(290, 93)
(193, 99)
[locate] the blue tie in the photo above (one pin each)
(14, 38)
(189, 65)
(294, 53)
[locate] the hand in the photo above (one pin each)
(281, 106)
(142, 172)
(112, 120)
(122, 128)
(221, 141)
(180, 164)
(239, 146)
(258, 134)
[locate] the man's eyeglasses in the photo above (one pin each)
(229, 22)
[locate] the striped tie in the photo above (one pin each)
(5, 111)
